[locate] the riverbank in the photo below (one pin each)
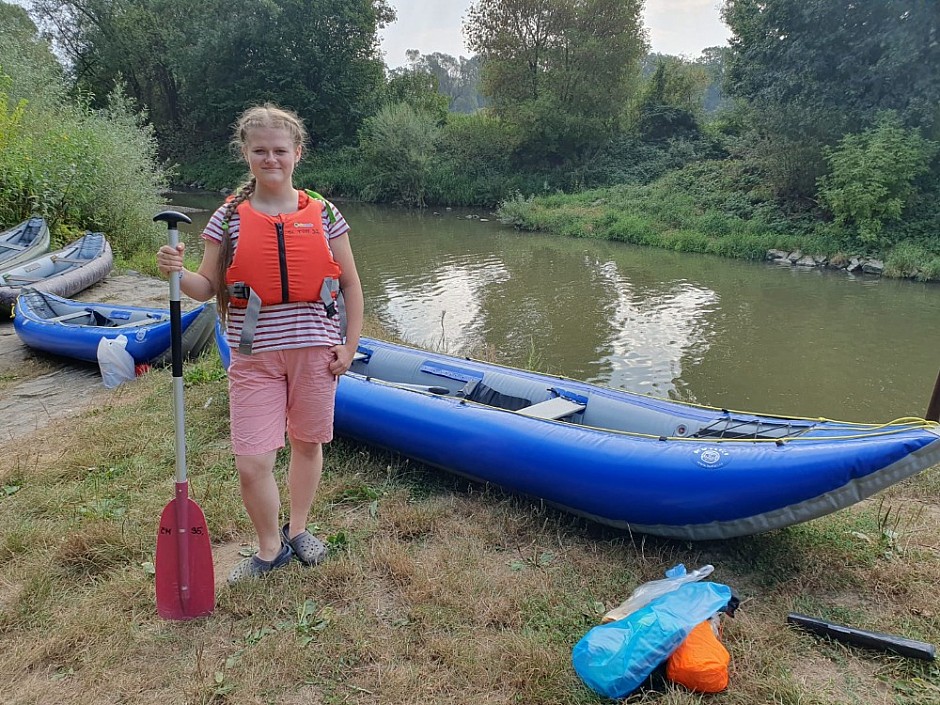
(437, 591)
(668, 215)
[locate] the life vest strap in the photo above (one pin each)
(251, 322)
(328, 293)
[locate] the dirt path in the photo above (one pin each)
(36, 388)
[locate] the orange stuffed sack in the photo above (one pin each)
(700, 663)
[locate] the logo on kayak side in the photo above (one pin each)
(711, 456)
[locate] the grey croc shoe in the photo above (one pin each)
(308, 548)
(254, 567)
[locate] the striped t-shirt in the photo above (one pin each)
(282, 326)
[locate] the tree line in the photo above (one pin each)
(827, 109)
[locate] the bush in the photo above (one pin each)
(872, 176)
(397, 146)
(339, 172)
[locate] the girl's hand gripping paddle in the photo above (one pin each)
(185, 576)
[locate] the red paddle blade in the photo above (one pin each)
(185, 576)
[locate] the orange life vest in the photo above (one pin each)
(283, 258)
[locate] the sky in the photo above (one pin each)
(679, 27)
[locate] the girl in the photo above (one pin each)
(286, 357)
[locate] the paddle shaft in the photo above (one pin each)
(933, 409)
(176, 344)
(179, 418)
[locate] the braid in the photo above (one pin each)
(228, 251)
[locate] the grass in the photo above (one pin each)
(436, 591)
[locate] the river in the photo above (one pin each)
(738, 335)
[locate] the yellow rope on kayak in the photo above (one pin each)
(902, 425)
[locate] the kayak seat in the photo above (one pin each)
(484, 394)
(100, 320)
(552, 409)
(152, 320)
(69, 316)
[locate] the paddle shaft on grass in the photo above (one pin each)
(185, 580)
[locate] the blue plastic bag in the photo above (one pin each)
(613, 659)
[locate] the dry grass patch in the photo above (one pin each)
(437, 591)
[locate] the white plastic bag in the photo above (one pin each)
(115, 363)
(647, 592)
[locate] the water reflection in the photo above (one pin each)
(443, 310)
(653, 328)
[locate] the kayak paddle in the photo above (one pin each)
(185, 577)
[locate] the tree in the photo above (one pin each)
(25, 57)
(195, 66)
(458, 79)
(814, 70)
(561, 69)
(419, 89)
(318, 57)
(837, 63)
(671, 99)
(398, 146)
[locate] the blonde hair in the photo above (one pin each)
(271, 116)
(266, 115)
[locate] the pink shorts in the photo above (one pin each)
(277, 391)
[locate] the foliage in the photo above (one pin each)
(473, 162)
(26, 59)
(560, 69)
(417, 88)
(397, 147)
(912, 261)
(11, 117)
(321, 60)
(840, 62)
(194, 67)
(670, 100)
(458, 79)
(74, 165)
(708, 207)
(872, 175)
(814, 71)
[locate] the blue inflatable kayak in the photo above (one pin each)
(623, 459)
(73, 329)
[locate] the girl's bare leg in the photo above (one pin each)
(262, 500)
(303, 479)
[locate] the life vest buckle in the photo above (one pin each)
(239, 290)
